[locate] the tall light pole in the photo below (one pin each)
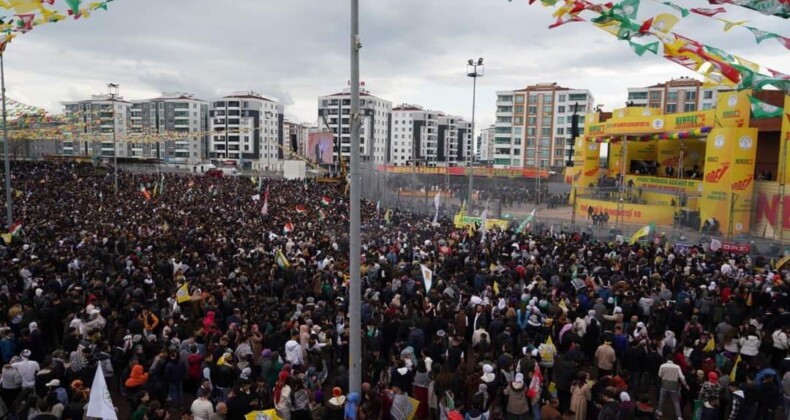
(355, 249)
(9, 209)
(112, 90)
(474, 69)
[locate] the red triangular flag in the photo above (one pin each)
(646, 25)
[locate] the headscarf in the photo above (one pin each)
(278, 388)
(351, 406)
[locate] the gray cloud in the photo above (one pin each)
(295, 50)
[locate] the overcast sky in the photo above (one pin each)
(296, 50)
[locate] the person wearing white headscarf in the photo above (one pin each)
(616, 317)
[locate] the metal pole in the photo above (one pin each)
(9, 209)
(355, 249)
(573, 213)
(471, 167)
(114, 137)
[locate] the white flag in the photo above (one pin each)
(483, 220)
(100, 404)
(715, 245)
(437, 201)
(256, 197)
(427, 277)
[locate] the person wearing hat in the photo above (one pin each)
(335, 407)
(27, 369)
(282, 396)
(516, 406)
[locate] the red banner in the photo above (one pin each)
(733, 248)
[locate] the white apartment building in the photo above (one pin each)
(684, 94)
(334, 111)
(178, 124)
(94, 126)
(428, 138)
(485, 145)
(533, 125)
(247, 129)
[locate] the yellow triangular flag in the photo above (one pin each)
(711, 346)
(549, 341)
(182, 295)
(563, 306)
(735, 369)
(6, 238)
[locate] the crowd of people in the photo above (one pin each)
(198, 301)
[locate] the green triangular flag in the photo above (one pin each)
(683, 11)
(761, 109)
(761, 35)
(640, 49)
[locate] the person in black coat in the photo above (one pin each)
(565, 371)
(634, 362)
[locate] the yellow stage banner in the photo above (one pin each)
(671, 186)
(629, 214)
(689, 120)
(641, 150)
(784, 145)
(742, 178)
(672, 152)
(615, 158)
(631, 112)
(733, 109)
(590, 171)
(635, 125)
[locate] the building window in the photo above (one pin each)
(560, 120)
(689, 107)
(655, 95)
(672, 96)
(520, 109)
(561, 98)
(545, 131)
(706, 107)
(691, 95)
(560, 131)
(671, 108)
(520, 99)
(518, 120)
(561, 108)
(708, 94)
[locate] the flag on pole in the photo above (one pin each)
(100, 404)
(145, 192)
(16, 229)
(260, 185)
(388, 216)
(762, 110)
(282, 261)
(162, 184)
(496, 288)
(265, 208)
(325, 200)
(641, 233)
(288, 228)
(321, 215)
(437, 201)
(378, 206)
(256, 197)
(182, 294)
(300, 209)
(483, 220)
(734, 370)
(710, 347)
(527, 223)
(427, 277)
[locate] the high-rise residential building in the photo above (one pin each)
(247, 129)
(428, 138)
(94, 121)
(684, 94)
(176, 122)
(295, 136)
(533, 125)
(485, 145)
(376, 114)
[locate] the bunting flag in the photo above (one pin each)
(100, 404)
(760, 36)
(762, 109)
(683, 11)
(427, 277)
(728, 24)
(709, 12)
(780, 8)
(182, 294)
(640, 49)
(664, 22)
(282, 261)
(288, 228)
(325, 200)
(300, 209)
(560, 21)
(144, 192)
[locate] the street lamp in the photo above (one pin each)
(474, 69)
(8, 200)
(112, 90)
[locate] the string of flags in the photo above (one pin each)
(717, 66)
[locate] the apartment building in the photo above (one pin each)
(485, 145)
(684, 94)
(247, 129)
(295, 136)
(93, 123)
(424, 137)
(533, 125)
(375, 130)
(175, 125)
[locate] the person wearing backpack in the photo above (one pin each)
(516, 405)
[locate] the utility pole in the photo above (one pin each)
(474, 69)
(355, 249)
(112, 89)
(9, 202)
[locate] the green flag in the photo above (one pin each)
(761, 35)
(761, 109)
(683, 11)
(640, 49)
(526, 221)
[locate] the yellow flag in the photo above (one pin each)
(6, 238)
(734, 370)
(18, 193)
(563, 306)
(664, 22)
(182, 295)
(496, 288)
(711, 346)
(549, 341)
